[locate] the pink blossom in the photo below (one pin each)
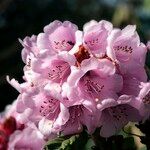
(56, 68)
(57, 37)
(79, 116)
(130, 86)
(30, 48)
(116, 114)
(44, 106)
(11, 128)
(29, 138)
(125, 48)
(144, 99)
(132, 80)
(94, 81)
(7, 127)
(144, 93)
(77, 80)
(42, 103)
(125, 45)
(11, 111)
(95, 36)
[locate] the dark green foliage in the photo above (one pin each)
(74, 142)
(83, 141)
(117, 142)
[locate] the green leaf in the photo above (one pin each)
(68, 144)
(73, 142)
(89, 145)
(54, 144)
(116, 142)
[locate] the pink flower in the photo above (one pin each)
(144, 93)
(76, 80)
(132, 80)
(94, 81)
(144, 99)
(43, 103)
(44, 106)
(29, 138)
(12, 125)
(130, 85)
(95, 36)
(7, 127)
(79, 116)
(30, 48)
(11, 111)
(116, 114)
(125, 48)
(57, 37)
(56, 68)
(124, 45)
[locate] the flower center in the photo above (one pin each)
(49, 108)
(92, 87)
(81, 55)
(59, 72)
(75, 112)
(74, 122)
(118, 112)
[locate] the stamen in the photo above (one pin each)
(118, 112)
(63, 44)
(29, 62)
(93, 87)
(75, 113)
(124, 49)
(49, 107)
(92, 42)
(146, 99)
(59, 72)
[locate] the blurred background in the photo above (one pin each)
(19, 18)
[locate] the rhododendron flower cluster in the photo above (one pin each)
(75, 80)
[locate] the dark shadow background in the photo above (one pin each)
(19, 18)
